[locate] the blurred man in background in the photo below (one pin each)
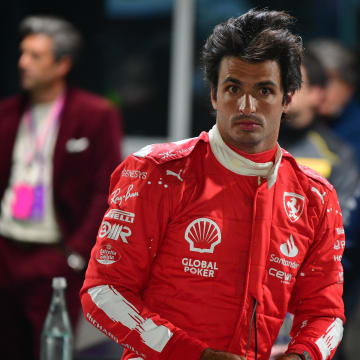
(340, 106)
(58, 146)
(314, 144)
(341, 111)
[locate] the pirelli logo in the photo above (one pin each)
(121, 215)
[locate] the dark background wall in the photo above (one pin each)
(127, 47)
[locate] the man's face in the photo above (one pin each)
(249, 103)
(337, 94)
(38, 68)
(304, 102)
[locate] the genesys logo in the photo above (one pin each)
(107, 255)
(121, 215)
(114, 231)
(293, 205)
(289, 248)
(284, 277)
(136, 174)
(203, 235)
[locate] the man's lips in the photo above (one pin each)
(247, 125)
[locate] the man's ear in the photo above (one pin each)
(64, 65)
(316, 96)
(213, 98)
(288, 100)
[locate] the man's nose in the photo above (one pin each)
(23, 60)
(247, 104)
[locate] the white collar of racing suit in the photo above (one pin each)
(239, 164)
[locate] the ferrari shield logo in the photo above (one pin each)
(294, 205)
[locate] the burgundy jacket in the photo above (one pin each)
(80, 175)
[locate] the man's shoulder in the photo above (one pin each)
(11, 103)
(165, 152)
(304, 172)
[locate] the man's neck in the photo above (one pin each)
(49, 94)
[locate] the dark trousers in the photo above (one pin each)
(26, 273)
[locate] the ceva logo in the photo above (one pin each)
(289, 249)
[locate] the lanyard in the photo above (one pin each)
(50, 121)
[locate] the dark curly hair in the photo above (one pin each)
(256, 36)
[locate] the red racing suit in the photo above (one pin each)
(185, 259)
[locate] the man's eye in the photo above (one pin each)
(233, 89)
(265, 91)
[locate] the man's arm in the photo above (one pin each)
(317, 296)
(120, 264)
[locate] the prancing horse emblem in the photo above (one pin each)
(294, 205)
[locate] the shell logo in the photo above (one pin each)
(203, 235)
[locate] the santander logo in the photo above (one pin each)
(289, 249)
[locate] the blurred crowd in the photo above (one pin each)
(59, 145)
(322, 132)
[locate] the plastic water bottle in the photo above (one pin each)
(57, 335)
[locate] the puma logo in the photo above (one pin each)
(169, 172)
(316, 191)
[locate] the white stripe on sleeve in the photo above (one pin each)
(118, 309)
(331, 339)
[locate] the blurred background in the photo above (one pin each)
(143, 55)
(130, 46)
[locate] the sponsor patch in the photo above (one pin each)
(340, 277)
(203, 235)
(293, 205)
(284, 277)
(113, 231)
(174, 154)
(289, 248)
(107, 255)
(317, 192)
(201, 268)
(177, 175)
(339, 244)
(337, 258)
(284, 262)
(118, 198)
(340, 231)
(121, 215)
(136, 174)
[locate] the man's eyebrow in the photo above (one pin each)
(231, 79)
(267, 83)
(259, 84)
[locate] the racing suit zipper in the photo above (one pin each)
(253, 320)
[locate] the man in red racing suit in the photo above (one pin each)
(208, 242)
(177, 246)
